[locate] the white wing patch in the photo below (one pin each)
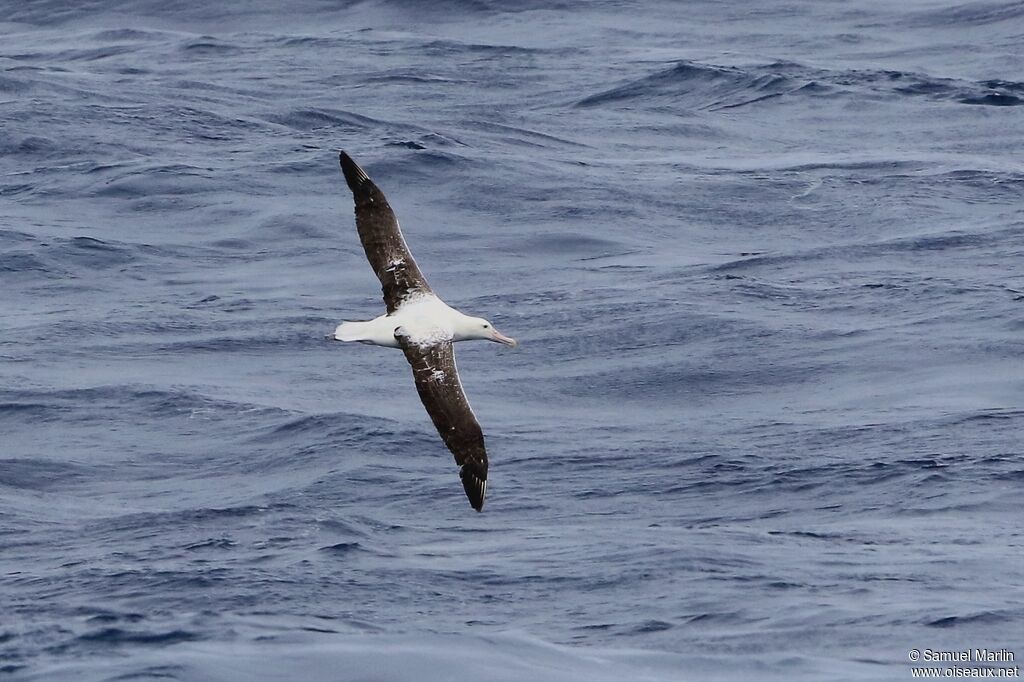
(438, 375)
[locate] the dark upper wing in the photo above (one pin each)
(382, 238)
(437, 380)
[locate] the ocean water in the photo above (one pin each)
(764, 261)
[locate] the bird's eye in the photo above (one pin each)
(487, 326)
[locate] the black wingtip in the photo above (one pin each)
(354, 175)
(474, 480)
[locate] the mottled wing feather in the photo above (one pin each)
(382, 239)
(437, 381)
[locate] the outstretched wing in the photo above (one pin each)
(382, 239)
(437, 381)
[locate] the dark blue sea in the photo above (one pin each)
(765, 262)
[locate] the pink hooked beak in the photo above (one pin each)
(501, 338)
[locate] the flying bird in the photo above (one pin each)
(423, 326)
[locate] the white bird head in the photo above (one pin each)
(470, 328)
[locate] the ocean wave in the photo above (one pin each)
(308, 119)
(209, 46)
(914, 243)
(35, 474)
(979, 13)
(40, 405)
(699, 86)
(431, 658)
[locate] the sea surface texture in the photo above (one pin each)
(764, 260)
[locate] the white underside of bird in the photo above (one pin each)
(423, 319)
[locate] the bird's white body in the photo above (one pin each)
(425, 319)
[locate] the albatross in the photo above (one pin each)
(423, 326)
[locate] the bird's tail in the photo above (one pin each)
(351, 331)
